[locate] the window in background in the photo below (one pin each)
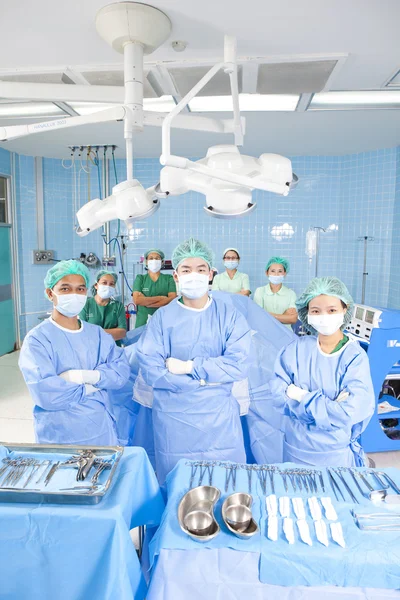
(3, 200)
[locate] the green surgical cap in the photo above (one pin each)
(160, 252)
(64, 268)
(280, 261)
(192, 248)
(328, 286)
(99, 275)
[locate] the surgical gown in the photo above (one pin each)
(264, 423)
(195, 416)
(320, 430)
(124, 407)
(63, 412)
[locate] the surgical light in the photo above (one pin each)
(224, 176)
(210, 176)
(128, 202)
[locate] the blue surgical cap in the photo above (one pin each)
(64, 268)
(192, 248)
(327, 286)
(100, 275)
(280, 261)
(160, 252)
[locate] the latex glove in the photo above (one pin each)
(81, 376)
(90, 389)
(296, 393)
(342, 396)
(179, 367)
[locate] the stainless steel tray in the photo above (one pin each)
(61, 497)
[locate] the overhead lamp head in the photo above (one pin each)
(227, 179)
(129, 202)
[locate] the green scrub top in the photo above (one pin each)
(224, 283)
(164, 285)
(275, 303)
(340, 345)
(110, 316)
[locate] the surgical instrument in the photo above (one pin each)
(35, 468)
(101, 466)
(393, 485)
(349, 490)
(50, 474)
(334, 485)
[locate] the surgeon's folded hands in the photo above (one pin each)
(296, 393)
(80, 377)
(179, 367)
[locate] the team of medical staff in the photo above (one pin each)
(196, 379)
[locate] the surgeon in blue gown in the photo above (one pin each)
(194, 349)
(323, 383)
(69, 366)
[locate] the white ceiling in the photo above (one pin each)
(49, 34)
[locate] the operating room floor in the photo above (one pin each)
(16, 422)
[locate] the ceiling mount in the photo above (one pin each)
(124, 22)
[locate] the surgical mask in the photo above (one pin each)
(326, 324)
(276, 279)
(193, 285)
(154, 266)
(105, 291)
(70, 305)
(231, 264)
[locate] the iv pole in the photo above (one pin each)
(317, 242)
(365, 239)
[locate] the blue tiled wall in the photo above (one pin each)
(394, 285)
(5, 162)
(350, 196)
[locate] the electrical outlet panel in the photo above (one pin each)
(109, 261)
(43, 257)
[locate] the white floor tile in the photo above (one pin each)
(385, 459)
(16, 430)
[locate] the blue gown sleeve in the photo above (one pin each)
(233, 364)
(49, 391)
(152, 356)
(326, 413)
(115, 370)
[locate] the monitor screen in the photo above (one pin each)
(359, 313)
(369, 316)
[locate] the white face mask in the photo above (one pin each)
(231, 264)
(70, 305)
(105, 291)
(154, 265)
(276, 279)
(326, 324)
(193, 285)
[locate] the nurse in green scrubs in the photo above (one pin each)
(232, 280)
(103, 309)
(154, 289)
(275, 297)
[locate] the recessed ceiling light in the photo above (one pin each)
(247, 102)
(29, 109)
(355, 100)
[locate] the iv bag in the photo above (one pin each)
(311, 243)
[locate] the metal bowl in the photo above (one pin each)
(239, 498)
(199, 500)
(198, 522)
(238, 516)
